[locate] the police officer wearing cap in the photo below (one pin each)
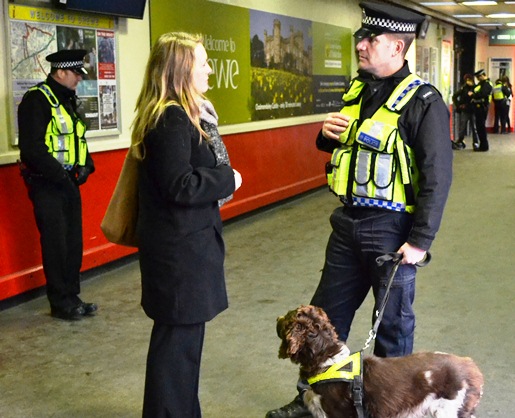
(481, 98)
(55, 161)
(391, 167)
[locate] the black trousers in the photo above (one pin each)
(58, 213)
(500, 116)
(173, 371)
(480, 115)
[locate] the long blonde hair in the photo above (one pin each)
(167, 82)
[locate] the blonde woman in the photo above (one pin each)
(180, 230)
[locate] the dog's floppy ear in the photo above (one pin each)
(295, 339)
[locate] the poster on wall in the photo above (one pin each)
(37, 32)
(265, 65)
(445, 72)
(281, 62)
(499, 68)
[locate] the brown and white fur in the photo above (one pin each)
(436, 384)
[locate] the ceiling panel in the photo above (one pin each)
(468, 15)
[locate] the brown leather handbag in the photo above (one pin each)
(120, 220)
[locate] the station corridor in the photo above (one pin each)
(465, 298)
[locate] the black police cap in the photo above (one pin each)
(479, 72)
(68, 59)
(379, 18)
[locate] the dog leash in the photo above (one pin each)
(397, 259)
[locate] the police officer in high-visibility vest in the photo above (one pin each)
(500, 94)
(55, 161)
(481, 98)
(391, 168)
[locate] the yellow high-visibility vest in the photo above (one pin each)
(62, 132)
(497, 92)
(374, 167)
(345, 370)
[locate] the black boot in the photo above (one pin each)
(295, 409)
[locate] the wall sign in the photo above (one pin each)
(37, 32)
(501, 37)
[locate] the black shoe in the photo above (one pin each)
(72, 314)
(295, 409)
(89, 308)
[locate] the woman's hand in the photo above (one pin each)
(237, 179)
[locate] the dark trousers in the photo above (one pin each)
(480, 115)
(58, 213)
(359, 236)
(173, 371)
(466, 119)
(500, 116)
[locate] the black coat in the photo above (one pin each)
(180, 229)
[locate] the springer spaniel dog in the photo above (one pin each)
(436, 384)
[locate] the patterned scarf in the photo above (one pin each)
(209, 123)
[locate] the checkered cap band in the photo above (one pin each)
(67, 64)
(389, 24)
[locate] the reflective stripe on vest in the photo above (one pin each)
(374, 166)
(62, 131)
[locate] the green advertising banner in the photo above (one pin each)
(265, 66)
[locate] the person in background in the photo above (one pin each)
(500, 97)
(481, 97)
(55, 161)
(509, 95)
(184, 176)
(388, 114)
(463, 106)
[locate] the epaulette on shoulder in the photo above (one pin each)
(428, 93)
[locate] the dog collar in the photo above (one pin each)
(345, 370)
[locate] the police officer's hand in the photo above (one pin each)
(411, 254)
(334, 125)
(82, 175)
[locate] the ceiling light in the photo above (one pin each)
(510, 24)
(501, 16)
(479, 3)
(436, 3)
(491, 24)
(466, 16)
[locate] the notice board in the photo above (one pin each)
(35, 32)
